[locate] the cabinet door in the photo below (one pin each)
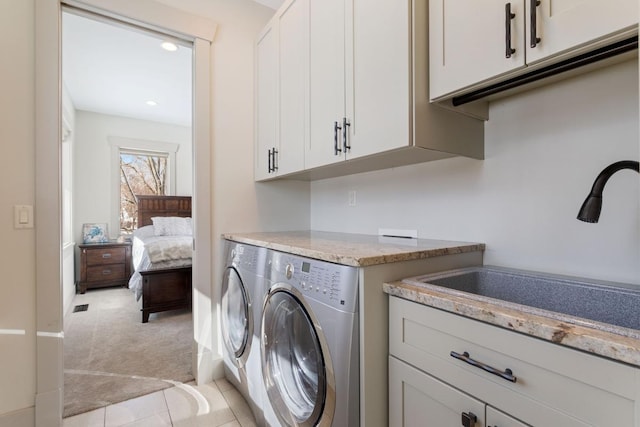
(497, 418)
(292, 83)
(378, 75)
(566, 24)
(417, 399)
(326, 81)
(468, 42)
(266, 100)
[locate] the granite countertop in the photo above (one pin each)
(358, 250)
(591, 337)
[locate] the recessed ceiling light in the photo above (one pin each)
(171, 47)
(152, 103)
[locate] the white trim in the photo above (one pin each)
(155, 16)
(13, 332)
(49, 316)
(50, 334)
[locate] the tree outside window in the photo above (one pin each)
(141, 173)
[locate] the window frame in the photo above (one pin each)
(119, 144)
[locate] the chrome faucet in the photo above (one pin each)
(590, 210)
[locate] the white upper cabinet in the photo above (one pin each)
(379, 76)
(281, 101)
(563, 25)
(476, 43)
(266, 101)
(292, 83)
(351, 91)
(326, 82)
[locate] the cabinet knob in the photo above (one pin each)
(469, 419)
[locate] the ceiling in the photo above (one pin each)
(112, 69)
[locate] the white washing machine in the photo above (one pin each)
(310, 343)
(243, 287)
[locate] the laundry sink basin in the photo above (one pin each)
(566, 298)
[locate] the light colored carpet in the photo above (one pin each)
(111, 356)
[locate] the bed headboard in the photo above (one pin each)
(150, 206)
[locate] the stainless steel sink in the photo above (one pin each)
(610, 303)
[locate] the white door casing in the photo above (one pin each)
(49, 318)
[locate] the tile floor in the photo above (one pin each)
(186, 405)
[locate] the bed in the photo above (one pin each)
(161, 254)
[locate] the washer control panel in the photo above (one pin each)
(333, 284)
(250, 259)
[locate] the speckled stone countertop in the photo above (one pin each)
(358, 250)
(581, 334)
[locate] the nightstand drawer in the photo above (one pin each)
(102, 256)
(103, 273)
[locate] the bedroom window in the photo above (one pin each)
(141, 173)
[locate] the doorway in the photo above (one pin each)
(126, 105)
(49, 337)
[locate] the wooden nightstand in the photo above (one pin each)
(104, 264)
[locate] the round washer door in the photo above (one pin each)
(237, 317)
(297, 369)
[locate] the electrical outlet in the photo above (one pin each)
(352, 197)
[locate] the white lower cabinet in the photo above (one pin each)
(504, 378)
(418, 399)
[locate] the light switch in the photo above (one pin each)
(23, 216)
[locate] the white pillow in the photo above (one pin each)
(172, 226)
(142, 232)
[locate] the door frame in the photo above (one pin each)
(48, 218)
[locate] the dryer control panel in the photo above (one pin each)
(333, 284)
(248, 258)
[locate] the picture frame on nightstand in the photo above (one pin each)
(95, 233)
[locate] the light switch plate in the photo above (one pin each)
(22, 216)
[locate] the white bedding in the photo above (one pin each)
(151, 251)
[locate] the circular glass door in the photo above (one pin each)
(237, 318)
(294, 367)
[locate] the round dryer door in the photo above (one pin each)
(237, 318)
(297, 371)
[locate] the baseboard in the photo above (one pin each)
(49, 408)
(206, 366)
(23, 418)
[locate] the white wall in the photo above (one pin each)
(93, 168)
(17, 252)
(544, 149)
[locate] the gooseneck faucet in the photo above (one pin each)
(590, 210)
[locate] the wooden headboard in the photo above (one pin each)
(150, 206)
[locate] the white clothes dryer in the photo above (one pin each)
(242, 290)
(310, 343)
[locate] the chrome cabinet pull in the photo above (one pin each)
(105, 256)
(345, 133)
(507, 374)
(275, 163)
(336, 147)
(508, 17)
(534, 23)
(106, 272)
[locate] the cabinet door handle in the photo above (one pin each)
(269, 170)
(275, 164)
(336, 147)
(345, 133)
(507, 374)
(508, 17)
(105, 256)
(534, 23)
(469, 419)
